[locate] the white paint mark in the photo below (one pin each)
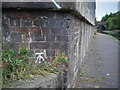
(30, 40)
(108, 74)
(58, 6)
(39, 57)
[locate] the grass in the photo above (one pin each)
(116, 36)
(94, 36)
(15, 66)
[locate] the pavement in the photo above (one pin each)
(99, 68)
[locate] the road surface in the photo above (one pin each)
(100, 66)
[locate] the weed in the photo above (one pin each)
(61, 58)
(91, 49)
(94, 37)
(82, 73)
(95, 33)
(50, 66)
(100, 58)
(14, 65)
(103, 78)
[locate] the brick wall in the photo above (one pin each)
(41, 31)
(48, 32)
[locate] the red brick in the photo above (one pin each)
(11, 14)
(45, 31)
(24, 14)
(35, 29)
(40, 30)
(19, 30)
(40, 45)
(23, 45)
(23, 30)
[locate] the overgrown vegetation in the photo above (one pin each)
(116, 35)
(110, 24)
(16, 67)
(51, 67)
(112, 21)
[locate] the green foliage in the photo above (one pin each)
(61, 57)
(112, 20)
(112, 23)
(105, 17)
(14, 65)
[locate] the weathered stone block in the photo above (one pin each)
(76, 24)
(61, 38)
(65, 31)
(50, 52)
(23, 45)
(38, 37)
(56, 45)
(14, 22)
(16, 38)
(41, 22)
(26, 22)
(50, 37)
(64, 47)
(56, 31)
(40, 45)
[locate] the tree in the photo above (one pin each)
(112, 21)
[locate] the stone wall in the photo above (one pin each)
(43, 31)
(50, 31)
(0, 45)
(85, 9)
(79, 40)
